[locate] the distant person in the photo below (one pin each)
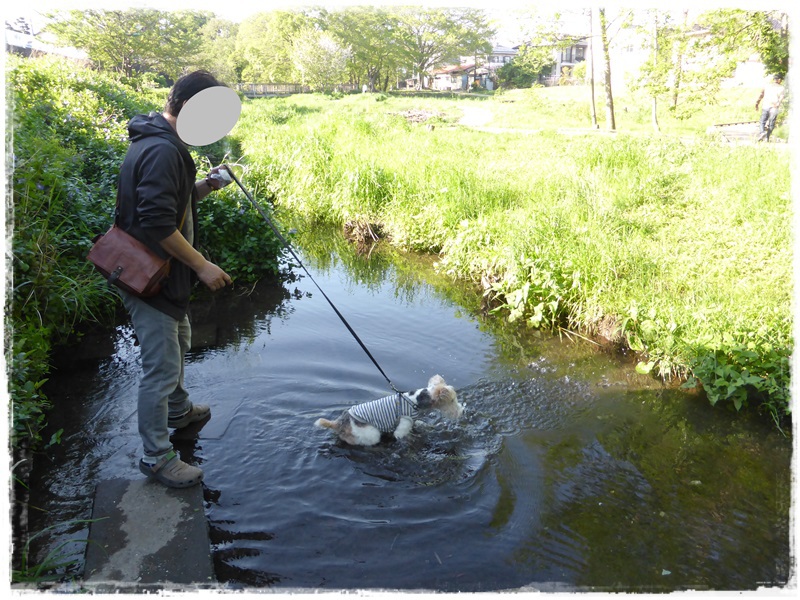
(770, 99)
(157, 195)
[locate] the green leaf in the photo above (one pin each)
(645, 368)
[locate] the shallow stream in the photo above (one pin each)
(568, 470)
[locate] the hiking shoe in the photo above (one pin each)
(198, 412)
(172, 471)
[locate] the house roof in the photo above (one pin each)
(454, 69)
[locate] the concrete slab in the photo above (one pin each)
(145, 536)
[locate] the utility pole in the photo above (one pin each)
(591, 68)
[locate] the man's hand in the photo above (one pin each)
(218, 177)
(213, 277)
(209, 273)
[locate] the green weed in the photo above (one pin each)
(51, 567)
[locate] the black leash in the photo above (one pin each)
(294, 255)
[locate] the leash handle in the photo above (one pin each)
(294, 255)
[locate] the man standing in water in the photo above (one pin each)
(772, 95)
(157, 204)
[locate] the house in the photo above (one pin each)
(565, 60)
(452, 77)
(480, 69)
(22, 41)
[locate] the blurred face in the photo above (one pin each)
(208, 116)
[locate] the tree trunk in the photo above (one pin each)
(679, 62)
(607, 70)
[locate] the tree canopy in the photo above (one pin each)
(265, 44)
(133, 41)
(432, 37)
(370, 33)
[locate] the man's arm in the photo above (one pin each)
(203, 188)
(209, 273)
(206, 186)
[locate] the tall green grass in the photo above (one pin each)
(676, 247)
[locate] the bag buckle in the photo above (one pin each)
(112, 278)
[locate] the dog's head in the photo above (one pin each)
(443, 398)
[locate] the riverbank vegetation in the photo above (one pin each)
(677, 248)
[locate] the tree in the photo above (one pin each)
(593, 103)
(320, 59)
(265, 45)
(370, 34)
(735, 34)
(601, 13)
(218, 50)
(431, 37)
(665, 61)
(133, 41)
(530, 62)
(690, 60)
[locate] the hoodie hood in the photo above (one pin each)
(154, 124)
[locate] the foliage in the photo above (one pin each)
(265, 45)
(734, 33)
(135, 40)
(528, 65)
(740, 366)
(68, 136)
(235, 237)
(688, 69)
(319, 59)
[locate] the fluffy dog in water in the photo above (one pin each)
(362, 424)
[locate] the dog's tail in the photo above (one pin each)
(326, 423)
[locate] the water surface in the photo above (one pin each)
(567, 471)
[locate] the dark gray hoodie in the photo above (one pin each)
(155, 190)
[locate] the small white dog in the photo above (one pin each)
(362, 424)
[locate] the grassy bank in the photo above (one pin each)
(677, 248)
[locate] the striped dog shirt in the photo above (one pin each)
(384, 413)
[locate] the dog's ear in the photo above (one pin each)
(442, 394)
